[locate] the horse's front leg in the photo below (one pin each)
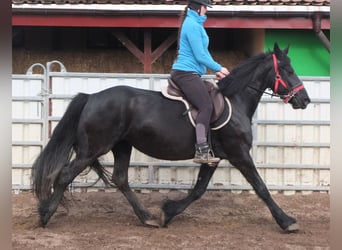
(122, 153)
(172, 208)
(247, 168)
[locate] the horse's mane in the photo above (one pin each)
(241, 75)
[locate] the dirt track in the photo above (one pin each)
(219, 220)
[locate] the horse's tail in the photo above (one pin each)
(58, 151)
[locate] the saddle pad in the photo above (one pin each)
(223, 120)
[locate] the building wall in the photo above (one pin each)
(308, 55)
(97, 49)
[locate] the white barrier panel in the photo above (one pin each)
(291, 148)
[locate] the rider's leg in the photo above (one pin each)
(196, 92)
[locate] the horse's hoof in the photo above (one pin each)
(162, 219)
(41, 224)
(44, 220)
(152, 223)
(293, 228)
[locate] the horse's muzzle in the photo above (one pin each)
(299, 103)
(300, 99)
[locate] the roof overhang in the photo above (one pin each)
(146, 15)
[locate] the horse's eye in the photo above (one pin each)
(289, 71)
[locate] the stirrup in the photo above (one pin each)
(205, 155)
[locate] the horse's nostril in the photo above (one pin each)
(307, 101)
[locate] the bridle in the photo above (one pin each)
(279, 80)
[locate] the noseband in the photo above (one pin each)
(279, 80)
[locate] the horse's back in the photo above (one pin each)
(144, 118)
(123, 92)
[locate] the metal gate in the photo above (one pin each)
(291, 148)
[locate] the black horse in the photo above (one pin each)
(122, 117)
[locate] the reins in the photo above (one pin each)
(263, 91)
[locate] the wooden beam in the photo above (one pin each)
(147, 57)
(129, 45)
(165, 21)
(158, 52)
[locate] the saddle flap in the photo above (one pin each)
(172, 89)
(217, 100)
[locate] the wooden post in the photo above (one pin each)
(147, 51)
(147, 57)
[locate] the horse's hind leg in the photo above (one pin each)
(122, 154)
(49, 206)
(249, 171)
(172, 208)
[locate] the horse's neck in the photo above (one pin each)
(251, 95)
(250, 99)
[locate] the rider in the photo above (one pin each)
(192, 61)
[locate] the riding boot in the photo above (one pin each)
(204, 154)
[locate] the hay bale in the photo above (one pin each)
(106, 60)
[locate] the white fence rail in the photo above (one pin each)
(291, 148)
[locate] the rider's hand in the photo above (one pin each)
(222, 73)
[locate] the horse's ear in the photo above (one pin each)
(286, 50)
(276, 49)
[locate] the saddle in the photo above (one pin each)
(221, 105)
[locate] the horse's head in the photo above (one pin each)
(287, 84)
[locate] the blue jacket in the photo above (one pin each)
(193, 53)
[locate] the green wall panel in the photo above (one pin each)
(308, 55)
